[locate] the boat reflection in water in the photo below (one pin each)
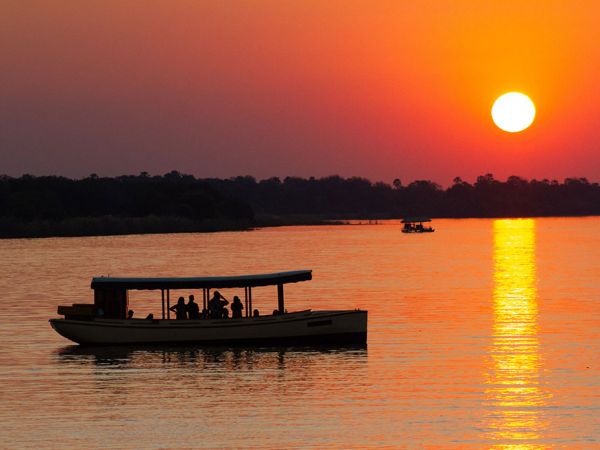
(515, 399)
(249, 382)
(194, 356)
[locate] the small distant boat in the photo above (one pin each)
(106, 322)
(415, 225)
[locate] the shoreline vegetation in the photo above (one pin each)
(11, 228)
(52, 206)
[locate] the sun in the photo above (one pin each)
(513, 112)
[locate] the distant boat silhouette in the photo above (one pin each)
(415, 225)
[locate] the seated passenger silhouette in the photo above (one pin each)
(255, 313)
(130, 314)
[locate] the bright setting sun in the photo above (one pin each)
(513, 112)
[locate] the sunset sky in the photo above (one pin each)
(384, 90)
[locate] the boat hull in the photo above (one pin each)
(418, 231)
(315, 327)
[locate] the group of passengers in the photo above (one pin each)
(416, 228)
(216, 308)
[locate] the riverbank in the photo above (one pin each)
(11, 228)
(177, 203)
(112, 225)
(118, 226)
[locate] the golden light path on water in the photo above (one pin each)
(515, 397)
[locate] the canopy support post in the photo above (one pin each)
(246, 299)
(168, 305)
(250, 311)
(204, 300)
(162, 295)
(280, 302)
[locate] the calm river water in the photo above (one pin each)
(484, 334)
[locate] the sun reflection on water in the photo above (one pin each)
(515, 398)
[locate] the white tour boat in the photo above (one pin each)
(105, 321)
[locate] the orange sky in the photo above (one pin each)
(274, 88)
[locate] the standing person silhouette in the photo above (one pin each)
(180, 309)
(216, 306)
(236, 308)
(193, 310)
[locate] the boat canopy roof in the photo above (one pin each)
(415, 219)
(267, 279)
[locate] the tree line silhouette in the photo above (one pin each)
(337, 197)
(59, 206)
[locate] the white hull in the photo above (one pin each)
(305, 326)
